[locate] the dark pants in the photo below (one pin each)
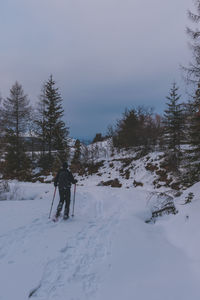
(65, 195)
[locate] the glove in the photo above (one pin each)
(55, 184)
(75, 181)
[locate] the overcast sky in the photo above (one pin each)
(105, 55)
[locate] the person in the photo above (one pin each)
(63, 180)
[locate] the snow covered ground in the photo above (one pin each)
(106, 252)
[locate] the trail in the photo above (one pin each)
(106, 252)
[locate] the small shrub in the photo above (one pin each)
(94, 168)
(189, 198)
(175, 186)
(137, 183)
(113, 183)
(127, 174)
(150, 167)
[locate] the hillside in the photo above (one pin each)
(130, 168)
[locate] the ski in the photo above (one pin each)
(55, 219)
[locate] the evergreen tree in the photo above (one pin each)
(98, 138)
(40, 121)
(2, 143)
(193, 70)
(31, 132)
(15, 116)
(194, 129)
(1, 117)
(57, 164)
(173, 126)
(136, 128)
(53, 131)
(126, 134)
(77, 152)
(76, 160)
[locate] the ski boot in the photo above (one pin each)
(65, 217)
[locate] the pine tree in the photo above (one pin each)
(193, 70)
(40, 121)
(31, 132)
(98, 138)
(15, 116)
(2, 143)
(1, 117)
(126, 134)
(76, 160)
(77, 152)
(55, 132)
(57, 164)
(136, 128)
(173, 126)
(194, 129)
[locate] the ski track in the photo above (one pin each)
(75, 261)
(73, 268)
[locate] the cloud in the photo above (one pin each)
(103, 53)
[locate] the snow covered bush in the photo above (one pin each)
(161, 204)
(12, 191)
(4, 189)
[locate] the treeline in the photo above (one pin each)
(41, 129)
(176, 133)
(35, 139)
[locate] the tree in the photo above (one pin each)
(1, 117)
(77, 152)
(40, 120)
(193, 70)
(136, 128)
(52, 129)
(15, 117)
(76, 160)
(16, 111)
(173, 125)
(126, 130)
(158, 132)
(2, 143)
(57, 164)
(194, 129)
(98, 138)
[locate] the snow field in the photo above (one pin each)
(106, 252)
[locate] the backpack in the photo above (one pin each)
(64, 179)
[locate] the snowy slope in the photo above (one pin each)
(107, 252)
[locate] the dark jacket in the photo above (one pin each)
(64, 179)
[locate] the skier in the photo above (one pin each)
(63, 180)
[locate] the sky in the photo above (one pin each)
(105, 55)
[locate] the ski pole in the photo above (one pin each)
(52, 202)
(74, 200)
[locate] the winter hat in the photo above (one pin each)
(65, 165)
